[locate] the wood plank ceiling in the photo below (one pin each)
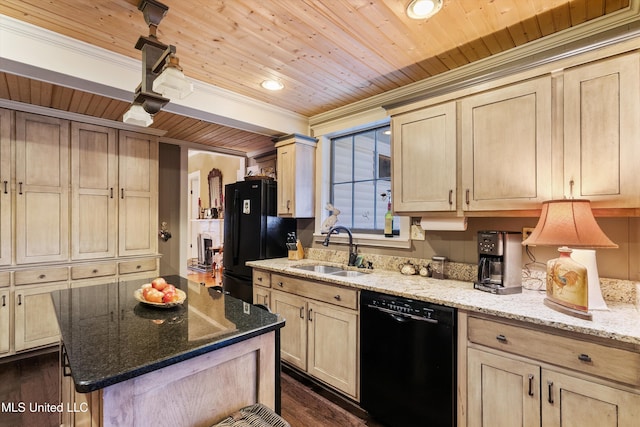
(328, 53)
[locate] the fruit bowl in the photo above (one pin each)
(181, 297)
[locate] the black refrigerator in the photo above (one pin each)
(252, 231)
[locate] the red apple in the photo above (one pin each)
(159, 283)
(154, 295)
(169, 289)
(170, 297)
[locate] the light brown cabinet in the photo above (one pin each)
(506, 147)
(296, 164)
(42, 193)
(138, 192)
(94, 181)
(36, 324)
(524, 377)
(5, 191)
(425, 160)
(5, 323)
(318, 315)
(601, 132)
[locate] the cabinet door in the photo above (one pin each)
(42, 194)
(36, 323)
(261, 296)
(502, 392)
(5, 189)
(333, 349)
(570, 401)
(601, 132)
(424, 160)
(293, 336)
(296, 177)
(138, 182)
(4, 321)
(94, 177)
(506, 147)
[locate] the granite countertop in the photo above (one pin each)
(620, 323)
(109, 336)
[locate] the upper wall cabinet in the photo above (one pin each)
(138, 192)
(94, 189)
(506, 147)
(42, 193)
(601, 132)
(296, 176)
(424, 153)
(5, 190)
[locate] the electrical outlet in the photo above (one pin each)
(526, 232)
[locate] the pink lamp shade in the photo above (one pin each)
(568, 222)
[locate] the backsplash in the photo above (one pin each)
(613, 290)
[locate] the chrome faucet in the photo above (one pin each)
(353, 251)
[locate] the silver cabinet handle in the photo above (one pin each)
(19, 299)
(288, 205)
(20, 188)
(466, 196)
(122, 193)
(4, 300)
(280, 284)
(111, 193)
(302, 312)
(550, 386)
(530, 384)
(501, 338)
(337, 297)
(310, 311)
(451, 197)
(5, 187)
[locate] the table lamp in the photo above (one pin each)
(572, 288)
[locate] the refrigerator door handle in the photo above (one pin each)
(235, 219)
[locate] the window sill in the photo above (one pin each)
(403, 242)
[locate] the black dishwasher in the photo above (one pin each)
(407, 361)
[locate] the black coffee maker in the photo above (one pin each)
(499, 262)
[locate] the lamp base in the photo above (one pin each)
(568, 310)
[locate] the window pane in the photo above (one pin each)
(384, 152)
(342, 194)
(364, 205)
(342, 160)
(364, 156)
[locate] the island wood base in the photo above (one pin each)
(196, 392)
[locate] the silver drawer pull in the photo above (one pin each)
(5, 187)
(4, 300)
(530, 384)
(337, 297)
(550, 386)
(501, 338)
(259, 279)
(584, 357)
(280, 284)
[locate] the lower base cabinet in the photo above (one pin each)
(36, 323)
(511, 389)
(320, 336)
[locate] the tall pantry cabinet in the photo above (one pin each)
(78, 206)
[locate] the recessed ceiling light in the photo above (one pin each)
(272, 85)
(423, 9)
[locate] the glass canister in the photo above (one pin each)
(437, 266)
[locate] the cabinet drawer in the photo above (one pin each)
(95, 270)
(5, 278)
(137, 266)
(32, 277)
(344, 297)
(262, 278)
(591, 358)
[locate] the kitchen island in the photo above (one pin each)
(128, 363)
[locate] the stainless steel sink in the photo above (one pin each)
(322, 269)
(347, 273)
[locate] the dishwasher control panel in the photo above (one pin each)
(408, 307)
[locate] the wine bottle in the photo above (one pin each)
(388, 221)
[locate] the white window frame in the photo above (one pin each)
(323, 190)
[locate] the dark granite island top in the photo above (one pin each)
(109, 337)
